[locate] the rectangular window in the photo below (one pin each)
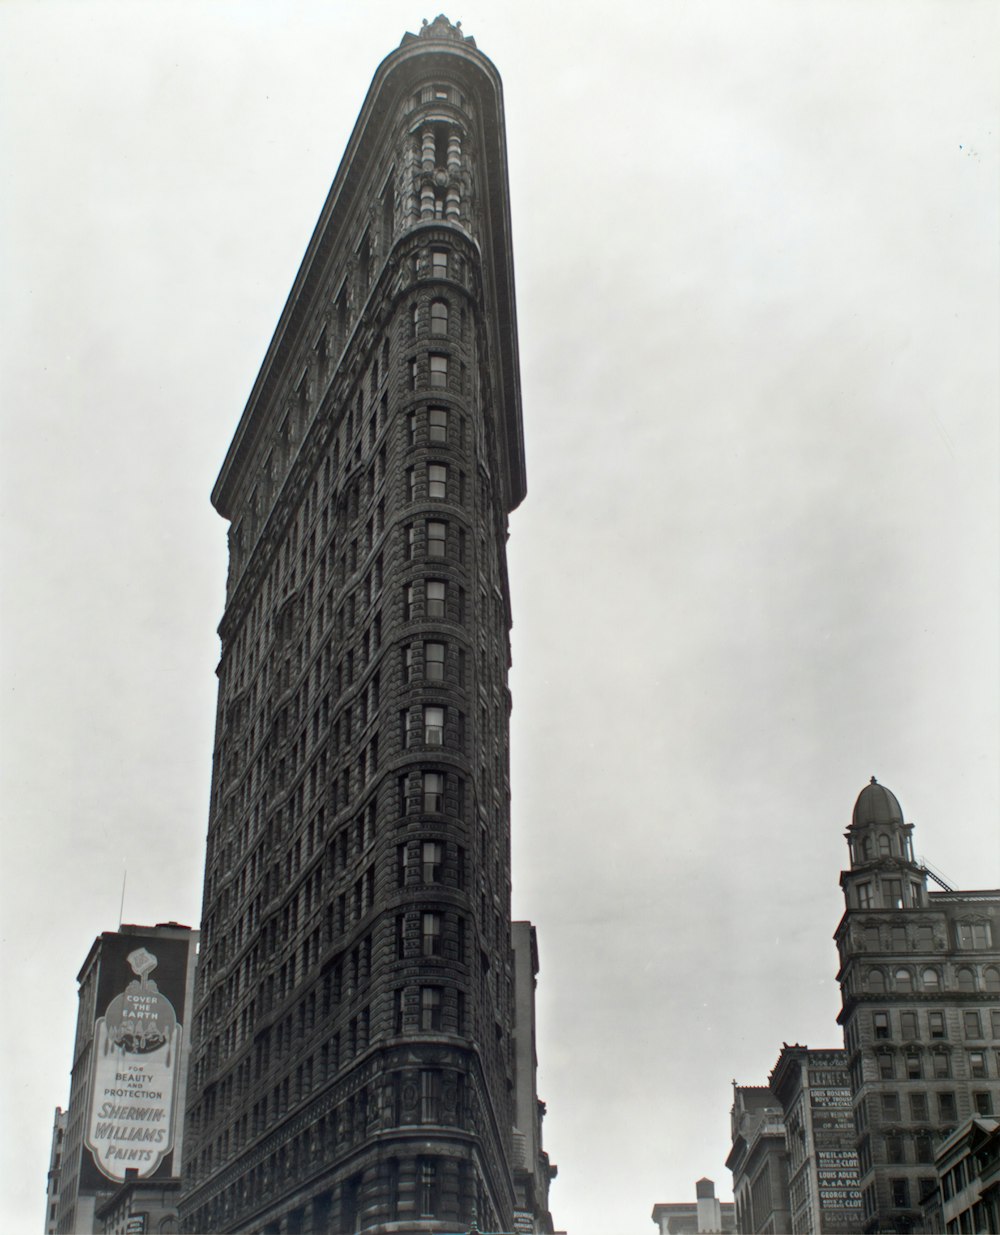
(983, 1103)
(411, 602)
(437, 481)
(427, 1188)
(439, 263)
(436, 597)
(430, 1096)
(977, 1063)
(913, 1068)
(947, 1108)
(431, 859)
(942, 1064)
(880, 1024)
(402, 857)
(430, 1007)
(439, 317)
(430, 937)
(935, 1023)
(411, 484)
(890, 1106)
(974, 935)
(918, 1108)
(893, 889)
(410, 534)
(412, 364)
(434, 662)
(900, 1193)
(436, 538)
(973, 1025)
(864, 896)
(886, 1068)
(894, 1149)
(439, 371)
(433, 791)
(437, 425)
(433, 726)
(908, 1025)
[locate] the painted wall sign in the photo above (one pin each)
(134, 1095)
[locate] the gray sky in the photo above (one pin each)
(756, 251)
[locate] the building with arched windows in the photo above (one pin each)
(354, 1059)
(920, 986)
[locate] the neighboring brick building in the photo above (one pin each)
(920, 985)
(759, 1162)
(815, 1096)
(967, 1199)
(55, 1170)
(124, 1121)
(354, 1059)
(532, 1170)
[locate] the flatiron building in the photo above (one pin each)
(353, 1059)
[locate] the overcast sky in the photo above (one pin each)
(756, 249)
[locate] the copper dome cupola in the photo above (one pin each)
(877, 805)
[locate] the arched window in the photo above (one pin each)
(966, 979)
(884, 845)
(866, 847)
(991, 978)
(876, 981)
(439, 317)
(904, 980)
(931, 979)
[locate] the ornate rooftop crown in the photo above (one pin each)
(442, 30)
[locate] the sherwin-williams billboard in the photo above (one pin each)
(136, 1092)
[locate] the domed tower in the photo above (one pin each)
(920, 990)
(884, 873)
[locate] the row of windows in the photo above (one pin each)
(918, 1110)
(885, 844)
(902, 1195)
(434, 593)
(904, 979)
(425, 726)
(443, 429)
(433, 536)
(915, 1064)
(432, 480)
(974, 1024)
(889, 893)
(430, 867)
(431, 938)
